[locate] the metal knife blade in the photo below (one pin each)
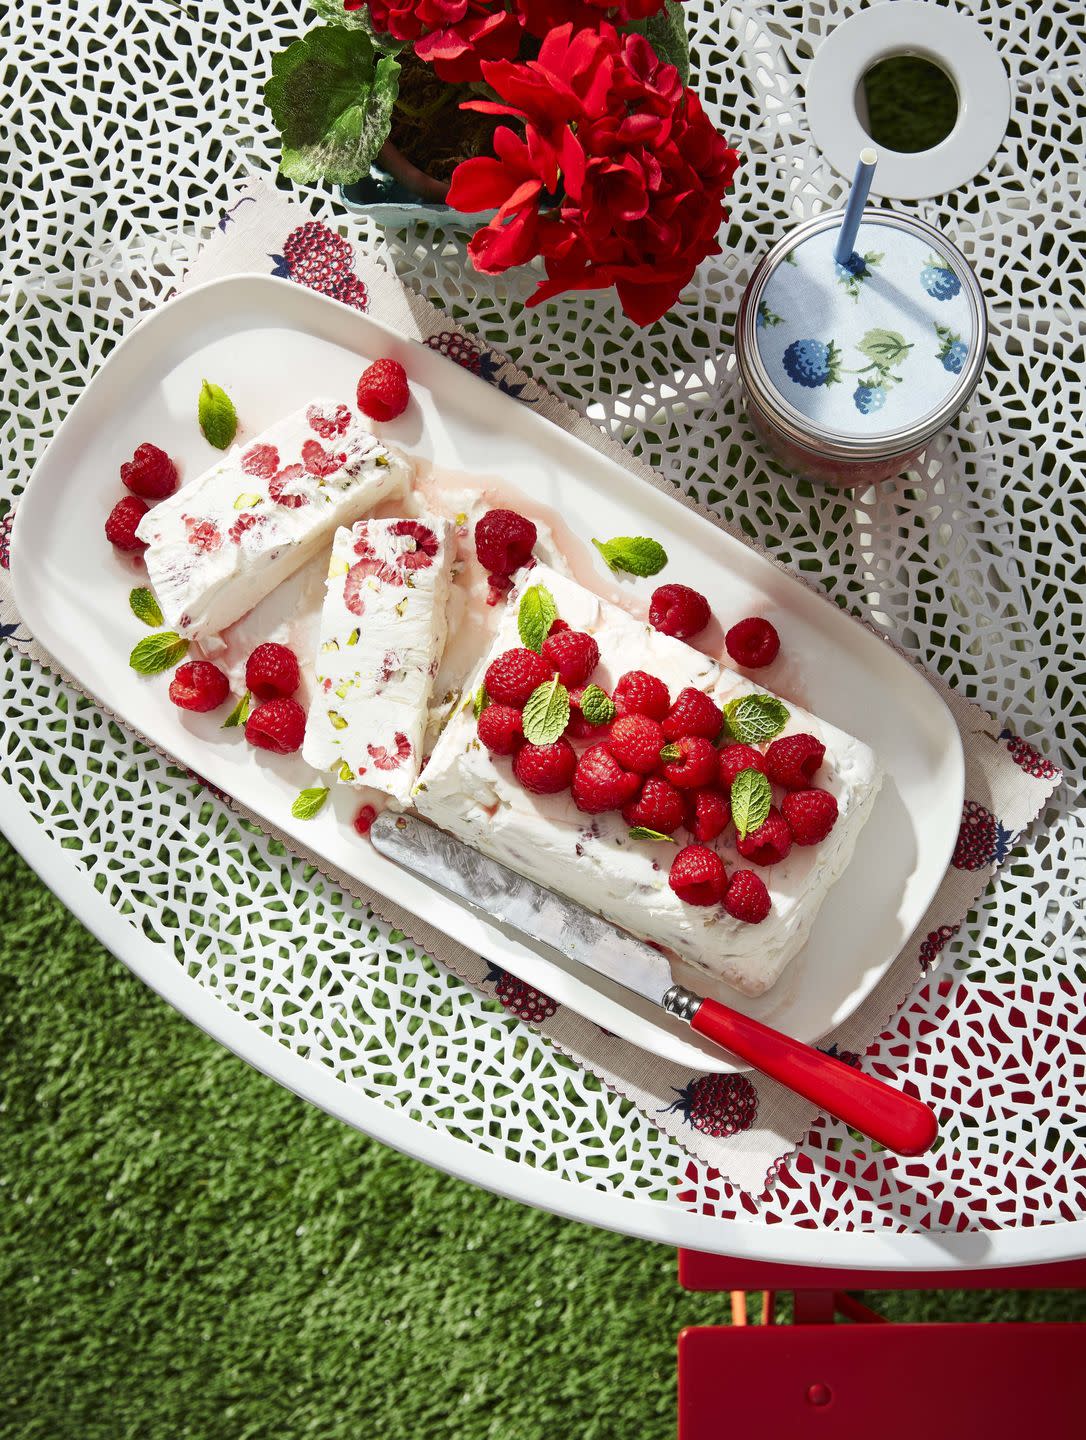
(503, 895)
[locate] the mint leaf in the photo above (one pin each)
(218, 418)
(636, 554)
(751, 798)
(239, 714)
(536, 614)
(753, 719)
(546, 714)
(309, 803)
(331, 96)
(597, 707)
(156, 653)
(642, 832)
(480, 701)
(144, 606)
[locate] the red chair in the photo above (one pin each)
(874, 1377)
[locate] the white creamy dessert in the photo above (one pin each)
(592, 859)
(383, 629)
(225, 540)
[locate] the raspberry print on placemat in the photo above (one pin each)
(315, 256)
(519, 998)
(718, 1105)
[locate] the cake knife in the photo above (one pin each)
(898, 1121)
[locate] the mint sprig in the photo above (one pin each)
(480, 700)
(597, 707)
(145, 607)
(218, 418)
(155, 653)
(536, 613)
(546, 714)
(751, 799)
(309, 803)
(240, 713)
(642, 832)
(636, 554)
(754, 719)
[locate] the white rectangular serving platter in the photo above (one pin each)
(273, 345)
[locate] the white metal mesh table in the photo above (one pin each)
(127, 128)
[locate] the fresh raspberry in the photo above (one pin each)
(557, 626)
(504, 541)
(753, 643)
(198, 685)
(382, 392)
(640, 694)
(636, 742)
(501, 729)
(695, 764)
(579, 728)
(792, 760)
(277, 725)
(658, 807)
(746, 898)
(498, 588)
(511, 678)
(708, 813)
(364, 819)
(677, 610)
(150, 473)
(600, 783)
(545, 769)
(768, 844)
(693, 714)
(698, 876)
(734, 758)
(573, 654)
(122, 521)
(271, 671)
(811, 815)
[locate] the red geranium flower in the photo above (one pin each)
(619, 179)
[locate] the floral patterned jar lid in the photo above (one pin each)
(872, 355)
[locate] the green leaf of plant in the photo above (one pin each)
(144, 606)
(309, 803)
(753, 719)
(636, 554)
(480, 701)
(546, 714)
(642, 832)
(751, 798)
(331, 96)
(597, 707)
(333, 13)
(156, 653)
(671, 751)
(666, 33)
(885, 347)
(239, 714)
(218, 418)
(536, 614)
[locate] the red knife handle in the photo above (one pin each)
(896, 1120)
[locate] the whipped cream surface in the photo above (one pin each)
(224, 541)
(592, 859)
(382, 634)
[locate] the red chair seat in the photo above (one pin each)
(897, 1382)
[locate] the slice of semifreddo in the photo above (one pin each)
(225, 540)
(383, 630)
(594, 859)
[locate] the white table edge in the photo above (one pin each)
(644, 1219)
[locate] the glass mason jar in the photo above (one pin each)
(848, 371)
